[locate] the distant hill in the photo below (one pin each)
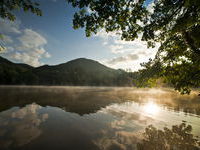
(10, 73)
(80, 71)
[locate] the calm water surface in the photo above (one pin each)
(89, 118)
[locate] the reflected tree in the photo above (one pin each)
(177, 138)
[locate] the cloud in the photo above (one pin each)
(24, 45)
(125, 54)
(129, 57)
(9, 26)
(31, 58)
(116, 48)
(47, 55)
(32, 39)
(129, 61)
(7, 39)
(105, 35)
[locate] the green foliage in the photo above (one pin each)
(8, 6)
(113, 15)
(177, 138)
(175, 24)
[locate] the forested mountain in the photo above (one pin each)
(11, 73)
(80, 71)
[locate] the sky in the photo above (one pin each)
(50, 39)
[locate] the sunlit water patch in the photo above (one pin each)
(151, 108)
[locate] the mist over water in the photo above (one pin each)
(54, 117)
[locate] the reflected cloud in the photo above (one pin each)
(20, 126)
(109, 144)
(117, 139)
(124, 130)
(118, 124)
(128, 112)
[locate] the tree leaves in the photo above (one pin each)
(7, 7)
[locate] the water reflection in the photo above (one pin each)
(20, 126)
(151, 108)
(129, 123)
(121, 140)
(179, 137)
(89, 118)
(117, 126)
(93, 99)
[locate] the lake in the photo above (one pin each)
(97, 118)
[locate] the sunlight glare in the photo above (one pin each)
(151, 108)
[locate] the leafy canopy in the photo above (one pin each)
(7, 8)
(174, 24)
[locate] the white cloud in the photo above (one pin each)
(47, 55)
(31, 59)
(116, 48)
(9, 26)
(32, 39)
(122, 59)
(7, 39)
(105, 35)
(24, 45)
(125, 54)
